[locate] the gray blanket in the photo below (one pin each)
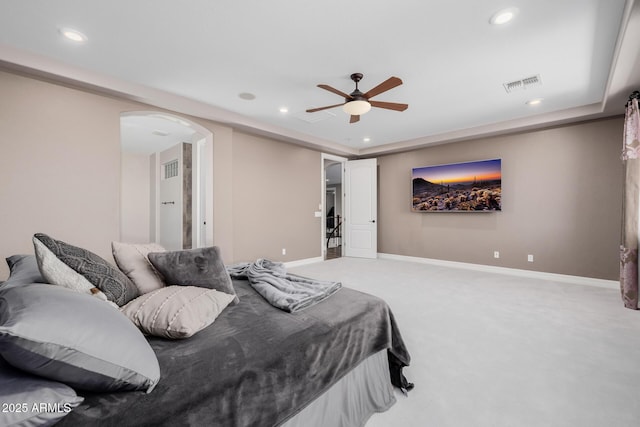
(285, 291)
(255, 366)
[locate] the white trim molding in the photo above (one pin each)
(554, 277)
(301, 262)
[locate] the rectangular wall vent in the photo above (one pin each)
(521, 84)
(171, 169)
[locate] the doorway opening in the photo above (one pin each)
(166, 181)
(332, 203)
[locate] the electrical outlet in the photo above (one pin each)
(530, 258)
(496, 254)
(284, 251)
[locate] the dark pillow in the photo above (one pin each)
(33, 401)
(65, 336)
(79, 269)
(23, 269)
(201, 267)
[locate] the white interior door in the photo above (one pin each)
(361, 200)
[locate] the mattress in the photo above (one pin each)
(350, 402)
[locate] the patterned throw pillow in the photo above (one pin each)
(176, 312)
(79, 269)
(201, 267)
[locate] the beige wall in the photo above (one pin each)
(276, 190)
(135, 212)
(60, 174)
(561, 202)
(59, 166)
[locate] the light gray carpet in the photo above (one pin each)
(492, 350)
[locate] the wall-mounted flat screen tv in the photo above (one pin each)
(458, 187)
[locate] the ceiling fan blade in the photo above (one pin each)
(354, 119)
(334, 90)
(389, 105)
(313, 110)
(390, 83)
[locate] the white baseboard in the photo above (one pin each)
(300, 262)
(589, 281)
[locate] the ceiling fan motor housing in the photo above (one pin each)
(356, 95)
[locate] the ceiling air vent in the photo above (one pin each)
(525, 83)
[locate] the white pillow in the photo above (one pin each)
(176, 311)
(133, 261)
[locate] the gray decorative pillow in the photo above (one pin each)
(32, 401)
(58, 273)
(65, 336)
(79, 269)
(23, 269)
(133, 261)
(176, 312)
(201, 267)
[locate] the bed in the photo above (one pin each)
(330, 365)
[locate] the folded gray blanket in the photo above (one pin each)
(288, 292)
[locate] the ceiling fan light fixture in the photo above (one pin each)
(357, 103)
(357, 107)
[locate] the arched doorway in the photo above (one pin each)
(166, 180)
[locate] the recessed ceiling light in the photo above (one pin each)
(73, 35)
(503, 16)
(247, 96)
(366, 139)
(159, 132)
(284, 110)
(536, 101)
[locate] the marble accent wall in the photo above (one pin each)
(187, 186)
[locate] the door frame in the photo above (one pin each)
(323, 198)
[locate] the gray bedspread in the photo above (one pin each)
(288, 292)
(255, 365)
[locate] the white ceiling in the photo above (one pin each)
(150, 133)
(196, 57)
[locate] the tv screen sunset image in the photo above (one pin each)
(470, 187)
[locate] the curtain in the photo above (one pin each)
(630, 209)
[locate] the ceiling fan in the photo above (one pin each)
(358, 103)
